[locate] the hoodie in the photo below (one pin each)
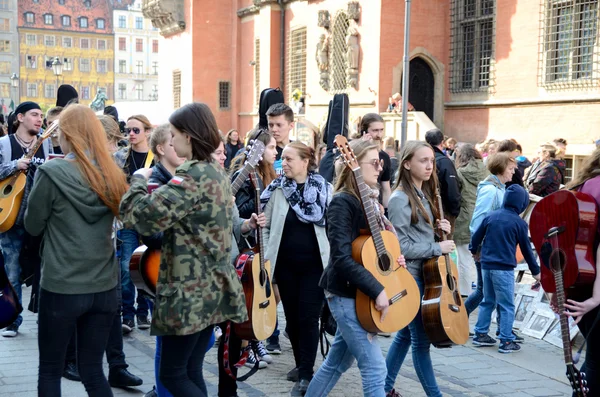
(507, 229)
(78, 255)
(469, 178)
(65, 94)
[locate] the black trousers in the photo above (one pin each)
(227, 385)
(302, 300)
(91, 315)
(590, 328)
(181, 362)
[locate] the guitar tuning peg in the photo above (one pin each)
(251, 141)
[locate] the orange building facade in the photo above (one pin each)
(479, 68)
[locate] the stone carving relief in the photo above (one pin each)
(322, 57)
(353, 53)
(324, 19)
(166, 15)
(354, 10)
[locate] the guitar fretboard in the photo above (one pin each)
(367, 203)
(240, 179)
(564, 322)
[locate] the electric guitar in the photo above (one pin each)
(13, 187)
(256, 280)
(378, 252)
(557, 264)
(444, 315)
(145, 263)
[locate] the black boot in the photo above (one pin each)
(121, 378)
(71, 372)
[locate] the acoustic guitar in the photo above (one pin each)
(145, 263)
(13, 187)
(444, 316)
(577, 213)
(557, 264)
(256, 280)
(378, 252)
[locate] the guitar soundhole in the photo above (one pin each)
(384, 263)
(450, 282)
(7, 190)
(558, 260)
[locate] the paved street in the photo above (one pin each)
(461, 371)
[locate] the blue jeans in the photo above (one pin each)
(129, 242)
(412, 336)
(11, 243)
(351, 342)
(476, 296)
(499, 289)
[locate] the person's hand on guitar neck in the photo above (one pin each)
(23, 164)
(447, 246)
(444, 225)
(382, 303)
(254, 222)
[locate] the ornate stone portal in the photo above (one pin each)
(330, 62)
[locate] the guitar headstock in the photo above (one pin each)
(254, 154)
(50, 131)
(577, 380)
(346, 152)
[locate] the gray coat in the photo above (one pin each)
(417, 241)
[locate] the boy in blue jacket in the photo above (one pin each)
(498, 236)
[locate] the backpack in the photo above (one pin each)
(268, 98)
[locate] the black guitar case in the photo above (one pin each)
(268, 98)
(337, 123)
(10, 308)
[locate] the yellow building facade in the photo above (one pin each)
(87, 64)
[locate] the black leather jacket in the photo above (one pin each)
(343, 275)
(244, 199)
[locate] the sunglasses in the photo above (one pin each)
(134, 129)
(377, 164)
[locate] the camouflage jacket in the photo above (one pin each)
(197, 286)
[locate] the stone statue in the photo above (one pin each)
(322, 58)
(352, 55)
(97, 104)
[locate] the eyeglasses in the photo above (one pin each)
(377, 164)
(134, 129)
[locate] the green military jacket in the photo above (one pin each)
(197, 286)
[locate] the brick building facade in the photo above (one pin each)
(526, 69)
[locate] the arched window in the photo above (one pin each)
(338, 49)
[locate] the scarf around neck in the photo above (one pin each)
(308, 202)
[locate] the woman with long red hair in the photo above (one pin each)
(73, 203)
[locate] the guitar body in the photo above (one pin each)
(11, 196)
(399, 285)
(578, 213)
(144, 267)
(444, 315)
(260, 300)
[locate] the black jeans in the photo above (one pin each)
(92, 316)
(590, 328)
(228, 385)
(302, 300)
(181, 361)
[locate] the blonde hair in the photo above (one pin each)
(111, 128)
(160, 136)
(344, 176)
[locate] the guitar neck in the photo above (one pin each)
(259, 231)
(368, 208)
(564, 322)
(240, 179)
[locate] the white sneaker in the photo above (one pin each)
(263, 354)
(251, 361)
(11, 331)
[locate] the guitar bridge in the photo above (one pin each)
(264, 305)
(454, 308)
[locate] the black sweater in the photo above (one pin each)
(343, 276)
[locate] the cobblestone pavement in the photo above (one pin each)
(460, 371)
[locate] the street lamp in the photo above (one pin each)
(14, 82)
(57, 68)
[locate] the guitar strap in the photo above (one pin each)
(149, 159)
(243, 358)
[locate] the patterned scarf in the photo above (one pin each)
(382, 221)
(308, 202)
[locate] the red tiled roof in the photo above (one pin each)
(76, 9)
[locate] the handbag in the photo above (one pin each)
(10, 308)
(328, 326)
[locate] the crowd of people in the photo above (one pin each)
(93, 208)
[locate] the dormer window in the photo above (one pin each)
(66, 20)
(83, 22)
(100, 23)
(87, 3)
(29, 17)
(48, 19)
